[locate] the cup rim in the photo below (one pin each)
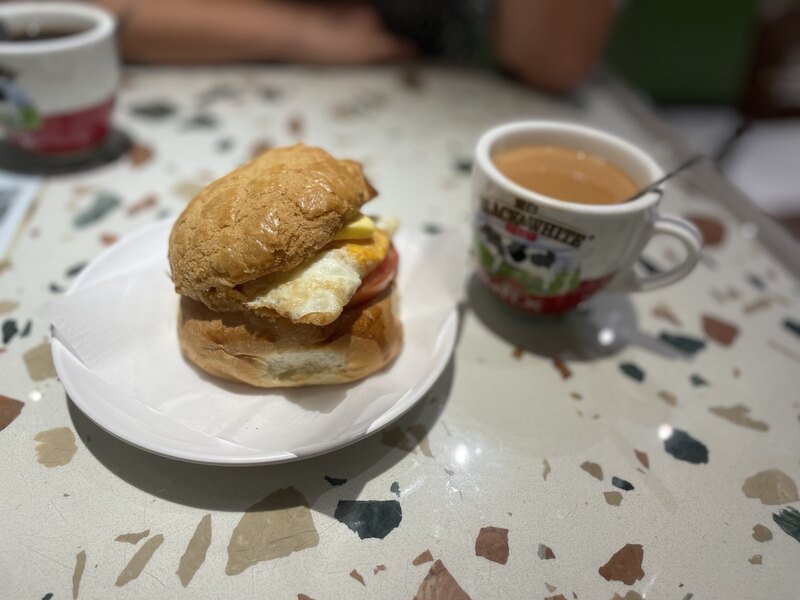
(102, 28)
(490, 137)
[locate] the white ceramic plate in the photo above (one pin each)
(272, 425)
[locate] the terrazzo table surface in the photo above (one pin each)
(654, 455)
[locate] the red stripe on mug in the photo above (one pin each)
(513, 293)
(69, 132)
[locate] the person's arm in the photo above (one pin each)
(212, 31)
(552, 44)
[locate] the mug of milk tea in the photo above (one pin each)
(558, 215)
(58, 76)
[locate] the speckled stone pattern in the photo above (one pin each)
(647, 446)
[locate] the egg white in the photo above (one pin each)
(317, 291)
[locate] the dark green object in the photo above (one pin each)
(155, 109)
(788, 519)
(684, 447)
(29, 118)
(10, 329)
(685, 51)
(103, 203)
(622, 484)
(432, 228)
(756, 281)
(632, 370)
(369, 518)
(682, 343)
(26, 331)
(201, 121)
(793, 326)
(75, 269)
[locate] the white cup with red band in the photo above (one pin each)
(58, 76)
(545, 255)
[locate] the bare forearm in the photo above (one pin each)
(190, 31)
(551, 43)
(218, 31)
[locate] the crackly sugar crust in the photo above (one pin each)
(267, 216)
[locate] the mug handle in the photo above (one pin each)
(684, 232)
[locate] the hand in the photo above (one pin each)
(350, 33)
(552, 44)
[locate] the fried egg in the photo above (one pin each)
(317, 291)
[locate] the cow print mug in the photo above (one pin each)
(546, 255)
